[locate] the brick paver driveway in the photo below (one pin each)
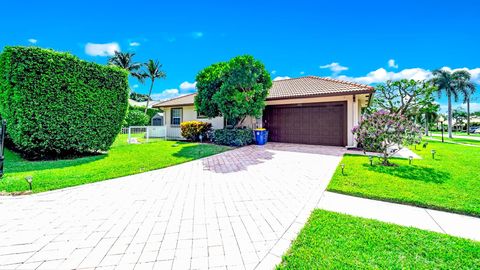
(235, 210)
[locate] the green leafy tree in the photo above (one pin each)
(153, 71)
(136, 118)
(468, 89)
(386, 132)
(138, 97)
(209, 81)
(125, 61)
(405, 97)
(460, 116)
(234, 89)
(452, 84)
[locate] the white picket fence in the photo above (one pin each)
(137, 134)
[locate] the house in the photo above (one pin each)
(305, 110)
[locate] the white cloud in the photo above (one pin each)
(381, 75)
(392, 64)
(105, 49)
(335, 67)
(135, 86)
(166, 94)
(279, 78)
(475, 73)
(274, 72)
(134, 44)
(32, 40)
(186, 86)
(302, 72)
(197, 34)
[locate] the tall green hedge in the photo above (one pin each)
(56, 104)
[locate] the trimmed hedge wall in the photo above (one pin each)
(233, 137)
(57, 105)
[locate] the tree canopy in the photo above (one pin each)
(386, 132)
(405, 97)
(453, 84)
(234, 89)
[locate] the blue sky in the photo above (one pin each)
(364, 41)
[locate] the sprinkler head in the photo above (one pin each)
(29, 180)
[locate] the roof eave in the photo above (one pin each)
(325, 95)
(173, 105)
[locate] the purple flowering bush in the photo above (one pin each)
(386, 133)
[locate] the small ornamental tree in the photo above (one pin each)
(234, 89)
(386, 133)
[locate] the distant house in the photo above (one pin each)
(305, 110)
(157, 119)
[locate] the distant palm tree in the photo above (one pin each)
(125, 61)
(452, 84)
(468, 88)
(153, 70)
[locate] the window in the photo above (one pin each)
(176, 117)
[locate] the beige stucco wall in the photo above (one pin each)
(189, 114)
(353, 114)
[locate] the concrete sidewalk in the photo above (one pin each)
(405, 215)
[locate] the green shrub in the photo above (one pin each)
(57, 105)
(191, 130)
(233, 137)
(151, 112)
(136, 118)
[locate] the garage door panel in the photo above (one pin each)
(323, 123)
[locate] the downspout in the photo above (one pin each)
(354, 112)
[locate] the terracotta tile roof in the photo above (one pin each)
(314, 86)
(309, 86)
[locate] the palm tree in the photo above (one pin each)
(125, 61)
(153, 70)
(452, 84)
(468, 88)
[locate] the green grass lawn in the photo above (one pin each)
(458, 134)
(337, 241)
(456, 140)
(450, 182)
(122, 159)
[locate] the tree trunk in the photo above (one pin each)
(426, 124)
(468, 115)
(149, 94)
(450, 115)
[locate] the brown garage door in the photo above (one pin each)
(319, 123)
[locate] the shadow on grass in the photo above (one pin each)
(412, 172)
(15, 164)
